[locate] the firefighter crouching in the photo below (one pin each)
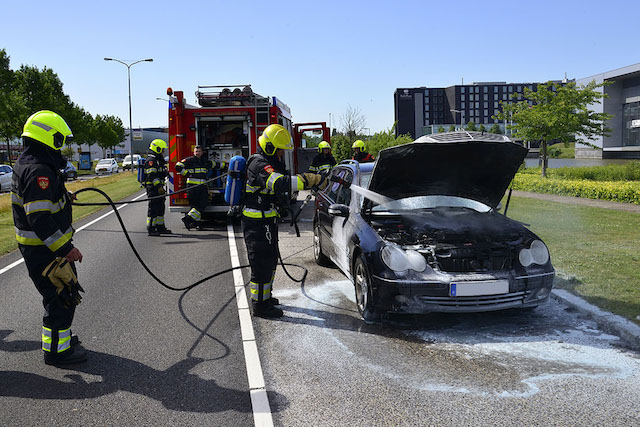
(42, 217)
(324, 160)
(155, 171)
(359, 153)
(196, 168)
(267, 195)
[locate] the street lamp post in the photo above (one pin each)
(129, 81)
(458, 111)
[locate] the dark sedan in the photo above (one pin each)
(419, 231)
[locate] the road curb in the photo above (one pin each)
(628, 331)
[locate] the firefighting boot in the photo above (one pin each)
(266, 310)
(163, 230)
(188, 222)
(67, 357)
(153, 231)
(273, 301)
(75, 340)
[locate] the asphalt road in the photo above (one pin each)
(170, 358)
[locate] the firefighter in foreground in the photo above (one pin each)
(42, 217)
(359, 153)
(155, 172)
(267, 196)
(196, 168)
(323, 161)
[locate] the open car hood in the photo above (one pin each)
(466, 164)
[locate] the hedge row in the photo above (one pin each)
(625, 172)
(617, 191)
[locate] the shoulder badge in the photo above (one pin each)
(150, 162)
(268, 169)
(43, 182)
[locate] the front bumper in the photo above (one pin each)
(426, 297)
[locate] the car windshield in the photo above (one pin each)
(430, 202)
(127, 158)
(105, 162)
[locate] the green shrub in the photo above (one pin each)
(617, 191)
(625, 172)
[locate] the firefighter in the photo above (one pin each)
(42, 217)
(267, 197)
(323, 161)
(155, 171)
(359, 153)
(196, 168)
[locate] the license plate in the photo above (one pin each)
(472, 289)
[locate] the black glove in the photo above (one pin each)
(339, 180)
(284, 212)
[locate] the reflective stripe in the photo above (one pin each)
(184, 172)
(252, 188)
(273, 177)
(314, 168)
(160, 220)
(156, 182)
(148, 221)
(42, 125)
(257, 213)
(47, 338)
(44, 206)
(149, 170)
(324, 167)
(15, 199)
(195, 214)
(297, 184)
(255, 291)
(64, 340)
(53, 242)
(195, 180)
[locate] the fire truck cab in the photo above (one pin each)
(226, 123)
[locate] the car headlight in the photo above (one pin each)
(399, 260)
(536, 254)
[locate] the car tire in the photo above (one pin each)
(364, 291)
(319, 257)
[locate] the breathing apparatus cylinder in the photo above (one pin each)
(235, 181)
(141, 177)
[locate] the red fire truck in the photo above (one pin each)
(226, 123)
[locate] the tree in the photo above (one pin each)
(495, 129)
(471, 126)
(482, 128)
(41, 90)
(452, 128)
(353, 122)
(109, 131)
(440, 129)
(12, 109)
(558, 113)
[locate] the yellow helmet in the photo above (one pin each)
(358, 144)
(157, 145)
(274, 137)
(323, 144)
(48, 128)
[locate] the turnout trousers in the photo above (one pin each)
(198, 199)
(56, 322)
(261, 239)
(155, 211)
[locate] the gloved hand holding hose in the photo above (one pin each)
(339, 180)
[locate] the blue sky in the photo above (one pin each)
(318, 57)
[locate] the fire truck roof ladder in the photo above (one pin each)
(229, 95)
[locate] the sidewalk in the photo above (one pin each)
(627, 207)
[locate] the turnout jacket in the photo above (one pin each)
(268, 186)
(155, 171)
(195, 169)
(322, 163)
(40, 203)
(363, 157)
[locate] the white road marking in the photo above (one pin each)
(21, 260)
(259, 398)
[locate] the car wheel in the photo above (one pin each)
(319, 257)
(364, 291)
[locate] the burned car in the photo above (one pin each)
(419, 230)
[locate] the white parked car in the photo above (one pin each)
(126, 163)
(107, 166)
(6, 173)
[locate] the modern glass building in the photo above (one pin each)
(623, 102)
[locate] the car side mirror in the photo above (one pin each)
(339, 210)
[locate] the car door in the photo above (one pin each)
(340, 233)
(324, 221)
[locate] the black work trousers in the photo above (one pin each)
(56, 316)
(156, 206)
(198, 198)
(261, 239)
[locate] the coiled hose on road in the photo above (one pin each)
(135, 251)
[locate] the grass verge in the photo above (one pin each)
(116, 186)
(594, 250)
